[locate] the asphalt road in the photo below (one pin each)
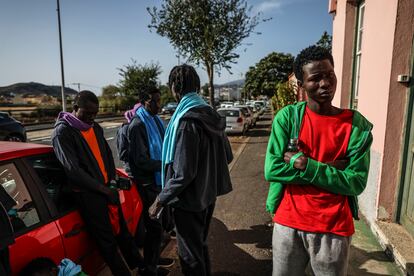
(41, 134)
(110, 129)
(110, 126)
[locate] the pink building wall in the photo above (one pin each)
(338, 44)
(375, 77)
(377, 50)
(386, 53)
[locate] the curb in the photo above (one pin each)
(392, 250)
(238, 153)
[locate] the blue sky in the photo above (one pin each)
(100, 36)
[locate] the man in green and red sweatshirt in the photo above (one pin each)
(314, 184)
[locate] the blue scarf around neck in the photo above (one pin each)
(155, 136)
(189, 101)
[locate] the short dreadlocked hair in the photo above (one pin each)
(39, 265)
(307, 55)
(147, 93)
(85, 96)
(184, 79)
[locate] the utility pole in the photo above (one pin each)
(78, 84)
(62, 89)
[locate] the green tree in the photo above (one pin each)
(110, 92)
(166, 95)
(271, 70)
(204, 90)
(109, 98)
(325, 41)
(207, 32)
(136, 77)
(284, 95)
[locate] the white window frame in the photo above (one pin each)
(358, 54)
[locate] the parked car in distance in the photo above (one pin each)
(226, 104)
(11, 129)
(253, 116)
(257, 109)
(236, 121)
(169, 108)
(46, 222)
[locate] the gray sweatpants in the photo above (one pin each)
(293, 249)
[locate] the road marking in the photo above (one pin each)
(111, 127)
(41, 138)
(109, 138)
(238, 153)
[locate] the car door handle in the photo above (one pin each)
(76, 230)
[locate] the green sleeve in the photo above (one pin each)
(276, 170)
(351, 181)
(274, 197)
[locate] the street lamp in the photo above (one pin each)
(62, 89)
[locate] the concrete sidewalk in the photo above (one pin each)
(367, 256)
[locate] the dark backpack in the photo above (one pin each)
(122, 142)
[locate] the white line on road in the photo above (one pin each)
(111, 127)
(109, 138)
(40, 138)
(238, 153)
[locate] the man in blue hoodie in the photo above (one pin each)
(195, 158)
(145, 134)
(80, 146)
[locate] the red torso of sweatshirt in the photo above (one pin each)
(307, 207)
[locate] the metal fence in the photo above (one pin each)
(34, 115)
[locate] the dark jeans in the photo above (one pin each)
(94, 210)
(192, 231)
(154, 230)
(4, 262)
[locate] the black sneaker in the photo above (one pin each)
(165, 262)
(162, 271)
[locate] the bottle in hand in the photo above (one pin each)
(292, 145)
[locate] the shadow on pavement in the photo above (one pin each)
(262, 126)
(234, 252)
(258, 133)
(409, 267)
(360, 259)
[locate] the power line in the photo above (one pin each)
(78, 84)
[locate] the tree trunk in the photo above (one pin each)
(210, 72)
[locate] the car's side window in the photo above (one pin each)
(54, 180)
(23, 214)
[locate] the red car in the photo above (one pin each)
(47, 223)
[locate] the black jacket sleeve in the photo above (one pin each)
(139, 150)
(65, 151)
(229, 152)
(111, 170)
(186, 158)
(6, 232)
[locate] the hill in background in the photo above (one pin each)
(35, 89)
(235, 83)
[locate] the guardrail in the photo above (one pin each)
(35, 115)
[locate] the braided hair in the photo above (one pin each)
(307, 55)
(184, 79)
